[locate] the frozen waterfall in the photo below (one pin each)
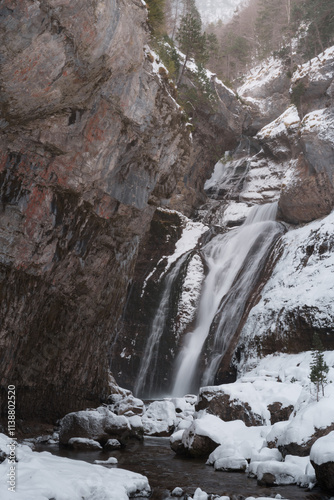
(234, 261)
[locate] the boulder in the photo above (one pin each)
(176, 443)
(112, 444)
(126, 405)
(225, 407)
(78, 443)
(311, 422)
(159, 419)
(99, 425)
(201, 446)
(322, 459)
(278, 473)
(204, 435)
(325, 475)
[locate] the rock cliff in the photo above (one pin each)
(285, 156)
(91, 143)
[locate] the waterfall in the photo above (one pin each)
(234, 262)
(147, 370)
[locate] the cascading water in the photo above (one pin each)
(234, 261)
(146, 377)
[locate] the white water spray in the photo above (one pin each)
(239, 252)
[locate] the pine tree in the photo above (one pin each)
(191, 40)
(319, 368)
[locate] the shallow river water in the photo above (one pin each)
(165, 471)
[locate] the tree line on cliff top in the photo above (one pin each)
(294, 30)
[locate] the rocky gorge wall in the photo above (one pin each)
(91, 143)
(286, 155)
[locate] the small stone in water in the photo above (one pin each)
(177, 492)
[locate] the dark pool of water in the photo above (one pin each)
(154, 458)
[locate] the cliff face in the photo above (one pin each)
(90, 141)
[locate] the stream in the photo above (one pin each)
(165, 470)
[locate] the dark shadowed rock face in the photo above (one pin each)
(90, 139)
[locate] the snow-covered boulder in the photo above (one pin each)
(176, 444)
(202, 437)
(322, 459)
(209, 435)
(177, 492)
(100, 425)
(128, 405)
(312, 421)
(200, 495)
(112, 444)
(109, 461)
(159, 419)
(266, 455)
(273, 473)
(255, 401)
(225, 404)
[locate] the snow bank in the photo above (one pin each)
(41, 476)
